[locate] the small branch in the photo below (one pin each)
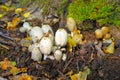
(98, 47)
(6, 47)
(67, 64)
(7, 37)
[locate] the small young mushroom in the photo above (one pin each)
(50, 35)
(36, 54)
(46, 45)
(32, 46)
(64, 57)
(51, 57)
(61, 37)
(71, 24)
(27, 26)
(36, 34)
(47, 28)
(105, 30)
(107, 36)
(58, 55)
(22, 29)
(98, 34)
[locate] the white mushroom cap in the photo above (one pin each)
(27, 26)
(58, 55)
(36, 34)
(98, 34)
(61, 37)
(64, 57)
(32, 46)
(22, 29)
(71, 24)
(36, 54)
(46, 45)
(47, 28)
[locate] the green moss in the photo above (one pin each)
(102, 11)
(24, 2)
(63, 5)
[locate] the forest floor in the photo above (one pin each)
(84, 56)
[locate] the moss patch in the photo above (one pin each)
(103, 12)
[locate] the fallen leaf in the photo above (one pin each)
(75, 76)
(26, 15)
(4, 8)
(18, 10)
(12, 25)
(25, 77)
(6, 63)
(110, 49)
(11, 64)
(14, 70)
(69, 73)
(15, 21)
(71, 43)
(81, 75)
(23, 69)
(77, 36)
(1, 15)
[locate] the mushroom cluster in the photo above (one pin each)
(103, 33)
(46, 44)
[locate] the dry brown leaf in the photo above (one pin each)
(5, 64)
(12, 25)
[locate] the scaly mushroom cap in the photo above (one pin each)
(36, 54)
(36, 34)
(61, 37)
(46, 45)
(71, 24)
(47, 28)
(27, 26)
(98, 34)
(58, 55)
(105, 30)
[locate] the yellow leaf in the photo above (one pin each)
(74, 77)
(110, 49)
(28, 38)
(1, 15)
(25, 77)
(13, 24)
(77, 36)
(14, 70)
(71, 43)
(26, 15)
(18, 10)
(6, 63)
(81, 75)
(23, 69)
(4, 8)
(69, 73)
(15, 21)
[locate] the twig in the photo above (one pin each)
(60, 72)
(113, 57)
(6, 47)
(7, 37)
(67, 64)
(98, 47)
(5, 74)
